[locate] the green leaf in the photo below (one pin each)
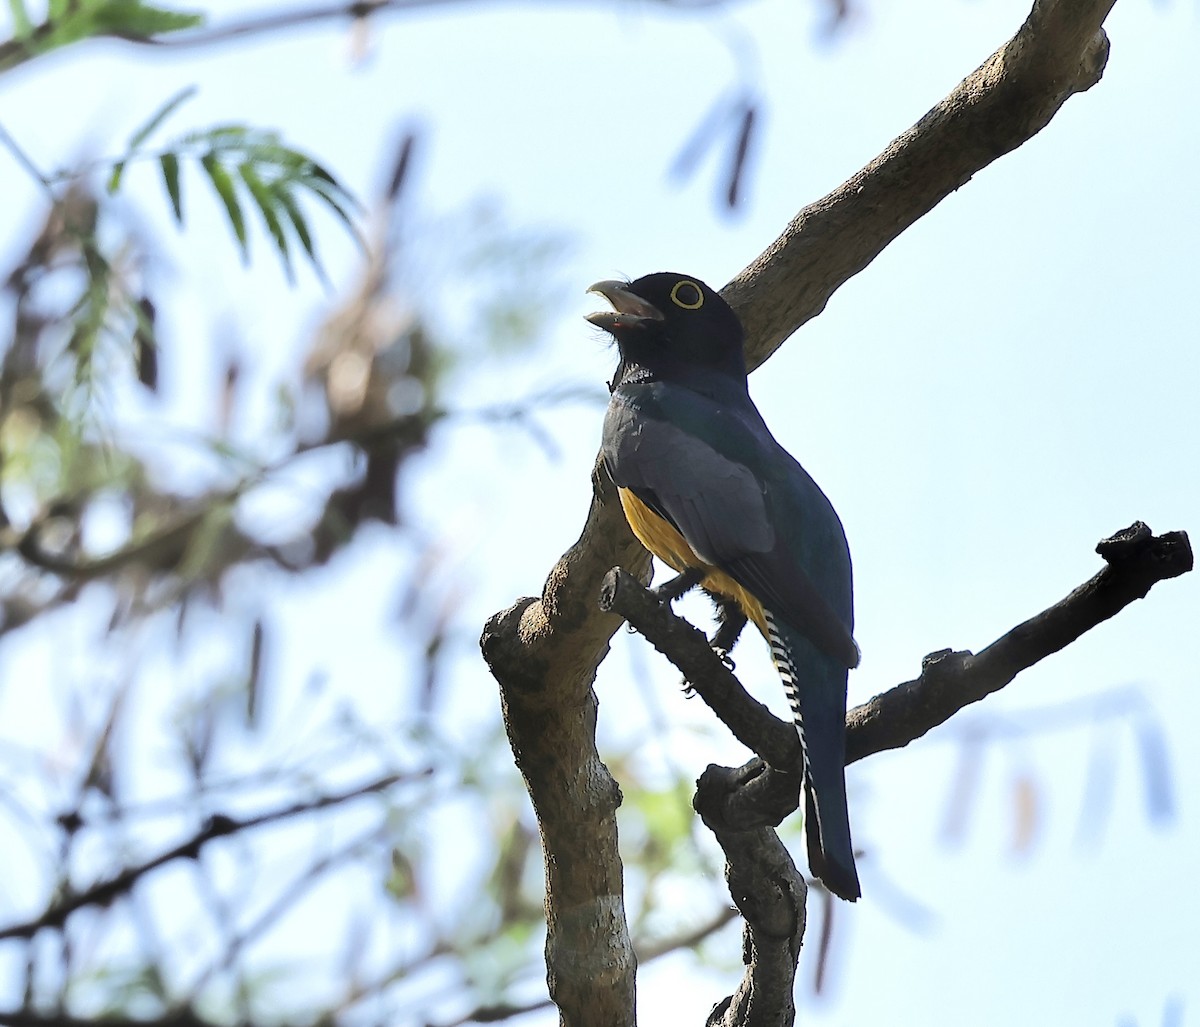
(319, 173)
(160, 115)
(71, 26)
(22, 26)
(296, 217)
(334, 196)
(114, 179)
(136, 20)
(223, 184)
(170, 170)
(267, 201)
(237, 156)
(222, 137)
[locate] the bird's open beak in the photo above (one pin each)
(629, 311)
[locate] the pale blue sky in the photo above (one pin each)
(1015, 378)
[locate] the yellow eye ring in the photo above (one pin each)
(688, 283)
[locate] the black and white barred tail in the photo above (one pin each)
(815, 684)
(788, 675)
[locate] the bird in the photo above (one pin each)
(708, 490)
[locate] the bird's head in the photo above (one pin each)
(668, 323)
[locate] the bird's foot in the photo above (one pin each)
(724, 657)
(733, 619)
(671, 590)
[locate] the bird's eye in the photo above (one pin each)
(687, 294)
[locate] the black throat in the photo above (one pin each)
(729, 390)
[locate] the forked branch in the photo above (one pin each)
(741, 806)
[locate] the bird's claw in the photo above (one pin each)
(683, 582)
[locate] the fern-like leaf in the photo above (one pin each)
(222, 182)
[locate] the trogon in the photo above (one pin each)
(707, 489)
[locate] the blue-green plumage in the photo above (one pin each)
(704, 484)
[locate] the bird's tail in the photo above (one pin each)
(816, 689)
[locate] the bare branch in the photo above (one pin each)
(544, 654)
(497, 1013)
(688, 939)
(39, 1018)
(1135, 560)
(750, 721)
(103, 893)
(164, 547)
(284, 903)
(1059, 51)
(769, 893)
(14, 52)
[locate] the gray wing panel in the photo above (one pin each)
(720, 507)
(717, 504)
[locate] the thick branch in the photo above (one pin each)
(1059, 51)
(544, 654)
(769, 892)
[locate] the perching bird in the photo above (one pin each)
(707, 489)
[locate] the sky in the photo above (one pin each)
(1012, 380)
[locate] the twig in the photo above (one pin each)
(360, 10)
(22, 158)
(1135, 560)
(750, 721)
(649, 952)
(105, 892)
(283, 903)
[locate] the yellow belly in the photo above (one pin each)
(669, 546)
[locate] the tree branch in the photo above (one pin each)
(103, 893)
(1060, 50)
(1135, 559)
(741, 805)
(17, 51)
(544, 654)
(769, 892)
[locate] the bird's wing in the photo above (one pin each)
(721, 507)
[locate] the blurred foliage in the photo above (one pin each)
(243, 164)
(72, 21)
(148, 905)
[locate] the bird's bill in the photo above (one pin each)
(629, 310)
